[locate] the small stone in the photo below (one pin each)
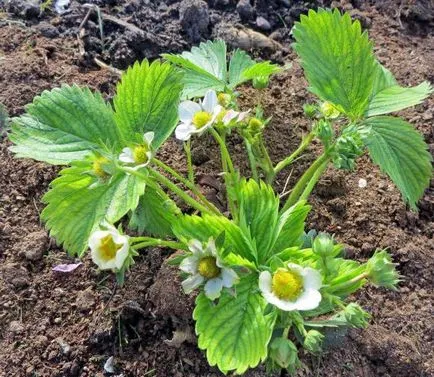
(65, 347)
(194, 18)
(57, 320)
(245, 10)
(85, 300)
(262, 23)
(362, 183)
(27, 9)
(16, 327)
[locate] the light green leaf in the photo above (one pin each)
(63, 125)
(395, 98)
(262, 69)
(147, 100)
(204, 68)
(259, 213)
(239, 62)
(155, 214)
(76, 205)
(337, 59)
(383, 79)
(235, 333)
(202, 228)
(291, 227)
(400, 151)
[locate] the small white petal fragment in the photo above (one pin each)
(108, 365)
(294, 288)
(362, 183)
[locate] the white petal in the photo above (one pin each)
(210, 248)
(229, 116)
(121, 255)
(265, 282)
(287, 306)
(187, 109)
(189, 265)
(229, 277)
(297, 268)
(312, 279)
(201, 130)
(213, 288)
(309, 299)
(192, 283)
(184, 131)
(210, 101)
(242, 115)
(148, 137)
(127, 156)
(196, 247)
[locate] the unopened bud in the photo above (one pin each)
(329, 110)
(224, 99)
(323, 245)
(284, 352)
(381, 270)
(356, 316)
(313, 341)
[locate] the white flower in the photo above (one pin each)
(141, 154)
(109, 249)
(231, 115)
(206, 266)
(294, 288)
(196, 118)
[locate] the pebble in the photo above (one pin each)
(245, 10)
(362, 183)
(57, 320)
(16, 327)
(262, 23)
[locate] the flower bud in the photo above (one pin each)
(309, 110)
(284, 353)
(381, 270)
(329, 110)
(255, 125)
(313, 341)
(99, 166)
(260, 82)
(356, 316)
(224, 99)
(323, 245)
(324, 131)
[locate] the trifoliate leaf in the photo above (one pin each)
(204, 68)
(291, 227)
(400, 151)
(77, 204)
(395, 98)
(337, 59)
(259, 213)
(235, 332)
(147, 100)
(155, 214)
(63, 125)
(203, 227)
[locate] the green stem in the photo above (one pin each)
(149, 241)
(304, 181)
(190, 185)
(252, 160)
(348, 283)
(228, 170)
(187, 149)
(176, 190)
(268, 167)
(288, 160)
(311, 184)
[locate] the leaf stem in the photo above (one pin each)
(305, 182)
(288, 160)
(348, 283)
(149, 241)
(189, 184)
(187, 149)
(252, 160)
(268, 168)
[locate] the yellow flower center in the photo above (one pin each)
(140, 154)
(208, 268)
(98, 167)
(329, 110)
(108, 248)
(224, 99)
(201, 118)
(286, 284)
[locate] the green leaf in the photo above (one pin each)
(235, 333)
(204, 68)
(259, 213)
(337, 59)
(400, 151)
(239, 62)
(77, 204)
(147, 100)
(202, 228)
(262, 69)
(291, 226)
(155, 214)
(395, 98)
(63, 125)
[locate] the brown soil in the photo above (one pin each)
(69, 325)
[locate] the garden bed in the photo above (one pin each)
(69, 324)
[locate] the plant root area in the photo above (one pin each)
(71, 324)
